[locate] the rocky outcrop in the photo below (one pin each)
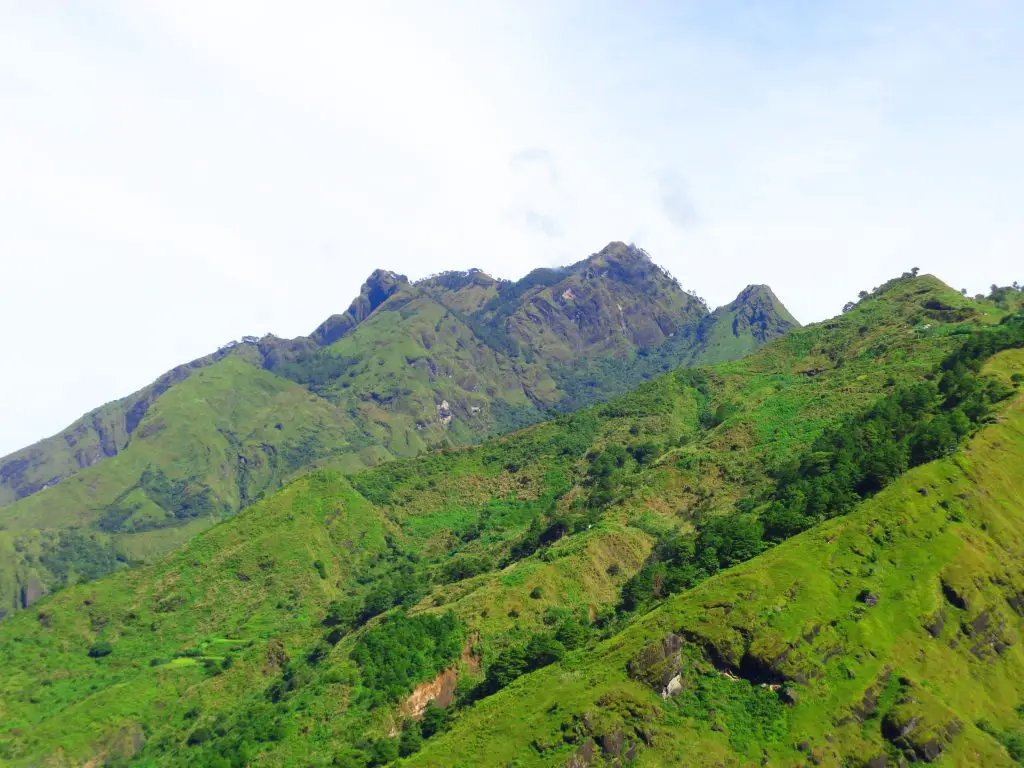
(440, 690)
(660, 665)
(755, 312)
(609, 735)
(378, 288)
(920, 726)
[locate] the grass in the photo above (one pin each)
(236, 426)
(249, 589)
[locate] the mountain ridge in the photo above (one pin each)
(285, 635)
(449, 359)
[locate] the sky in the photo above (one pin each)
(175, 174)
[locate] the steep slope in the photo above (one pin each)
(737, 329)
(448, 360)
(888, 635)
(283, 636)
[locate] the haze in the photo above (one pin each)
(178, 174)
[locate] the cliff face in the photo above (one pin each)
(378, 288)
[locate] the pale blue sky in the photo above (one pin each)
(177, 173)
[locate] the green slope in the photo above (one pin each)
(318, 593)
(894, 630)
(445, 361)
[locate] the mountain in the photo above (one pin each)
(809, 555)
(447, 360)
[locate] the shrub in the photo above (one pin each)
(434, 719)
(343, 614)
(464, 567)
(411, 739)
(200, 735)
(100, 649)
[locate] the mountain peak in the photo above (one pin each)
(759, 299)
(378, 288)
(620, 262)
(454, 280)
(618, 251)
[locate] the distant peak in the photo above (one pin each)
(382, 277)
(760, 299)
(454, 280)
(755, 292)
(619, 250)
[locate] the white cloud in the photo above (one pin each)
(176, 174)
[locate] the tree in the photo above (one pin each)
(848, 306)
(435, 719)
(915, 271)
(383, 751)
(320, 652)
(343, 614)
(543, 649)
(729, 539)
(571, 634)
(200, 735)
(411, 740)
(862, 295)
(506, 668)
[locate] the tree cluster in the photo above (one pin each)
(914, 425)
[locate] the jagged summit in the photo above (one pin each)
(449, 359)
(377, 289)
(617, 255)
(760, 299)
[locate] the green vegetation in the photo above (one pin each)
(446, 362)
(405, 650)
(809, 555)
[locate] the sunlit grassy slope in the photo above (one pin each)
(903, 617)
(226, 652)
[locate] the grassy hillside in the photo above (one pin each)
(893, 631)
(445, 361)
(512, 583)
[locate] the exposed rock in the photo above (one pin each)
(378, 288)
(935, 624)
(584, 756)
(955, 597)
(32, 591)
(920, 726)
(659, 665)
(870, 599)
(440, 690)
(869, 702)
(675, 685)
(988, 633)
(444, 413)
(277, 657)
